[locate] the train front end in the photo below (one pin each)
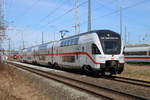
(112, 56)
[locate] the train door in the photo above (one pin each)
(55, 54)
(52, 54)
(82, 56)
(89, 51)
(77, 56)
(34, 57)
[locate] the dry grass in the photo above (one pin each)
(4, 95)
(5, 92)
(138, 71)
(14, 86)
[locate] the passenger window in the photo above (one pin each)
(82, 49)
(62, 43)
(68, 42)
(76, 41)
(65, 43)
(95, 49)
(136, 53)
(71, 43)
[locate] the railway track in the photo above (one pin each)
(131, 81)
(96, 90)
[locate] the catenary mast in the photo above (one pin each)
(2, 23)
(89, 16)
(77, 14)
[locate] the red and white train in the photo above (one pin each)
(99, 51)
(137, 53)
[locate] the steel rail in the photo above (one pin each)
(130, 81)
(106, 92)
(47, 75)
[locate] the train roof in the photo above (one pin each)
(93, 31)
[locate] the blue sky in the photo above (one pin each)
(27, 19)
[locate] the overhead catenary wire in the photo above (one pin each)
(67, 12)
(102, 5)
(117, 11)
(110, 13)
(10, 3)
(51, 12)
(31, 7)
(114, 12)
(84, 22)
(61, 16)
(25, 13)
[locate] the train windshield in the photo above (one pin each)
(111, 42)
(111, 47)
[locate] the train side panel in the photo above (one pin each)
(137, 54)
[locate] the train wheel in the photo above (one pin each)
(33, 62)
(56, 65)
(50, 64)
(87, 69)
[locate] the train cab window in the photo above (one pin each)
(95, 49)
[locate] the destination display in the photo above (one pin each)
(112, 38)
